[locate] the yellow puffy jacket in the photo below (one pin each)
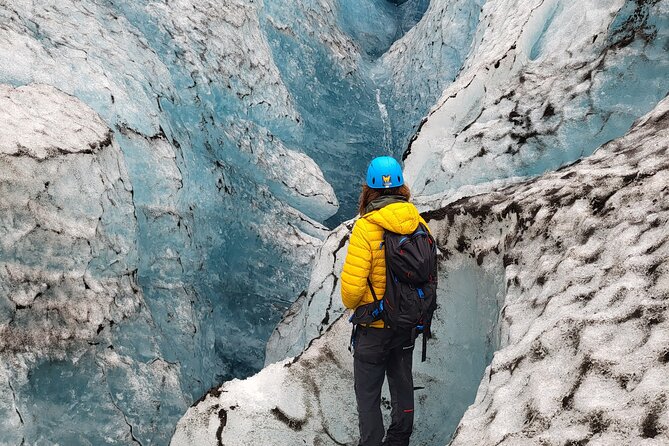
(366, 256)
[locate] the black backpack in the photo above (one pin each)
(411, 285)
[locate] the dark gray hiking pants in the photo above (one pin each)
(380, 352)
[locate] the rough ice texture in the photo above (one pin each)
(192, 97)
(54, 149)
(68, 281)
(315, 309)
(439, 45)
(584, 328)
(580, 256)
(546, 82)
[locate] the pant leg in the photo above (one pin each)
(369, 369)
(400, 383)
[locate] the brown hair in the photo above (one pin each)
(368, 195)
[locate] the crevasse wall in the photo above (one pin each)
(235, 123)
(545, 84)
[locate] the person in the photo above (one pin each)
(380, 351)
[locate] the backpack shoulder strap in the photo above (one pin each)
(371, 288)
(423, 355)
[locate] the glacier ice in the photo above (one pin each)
(563, 276)
(511, 111)
(544, 85)
(235, 159)
(68, 276)
(584, 325)
(222, 136)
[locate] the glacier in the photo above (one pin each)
(535, 93)
(232, 155)
(172, 171)
(554, 313)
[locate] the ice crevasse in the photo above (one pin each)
(168, 172)
(553, 314)
(552, 326)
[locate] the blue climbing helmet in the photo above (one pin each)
(384, 172)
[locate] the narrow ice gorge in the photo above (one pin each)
(533, 95)
(444, 163)
(170, 171)
(554, 306)
(232, 154)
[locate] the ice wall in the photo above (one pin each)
(79, 350)
(584, 326)
(417, 68)
(546, 83)
(350, 95)
(573, 262)
(195, 100)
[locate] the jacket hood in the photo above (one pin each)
(398, 215)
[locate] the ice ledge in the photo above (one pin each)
(40, 121)
(584, 331)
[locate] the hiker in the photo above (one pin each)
(382, 344)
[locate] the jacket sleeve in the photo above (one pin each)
(357, 265)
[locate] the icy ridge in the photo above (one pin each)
(318, 307)
(424, 61)
(584, 327)
(581, 257)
